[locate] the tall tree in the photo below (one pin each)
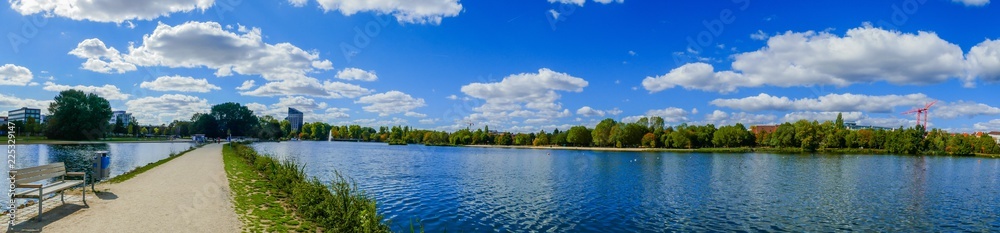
(234, 118)
(602, 132)
(579, 136)
(78, 116)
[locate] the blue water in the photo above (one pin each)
(500, 190)
(124, 157)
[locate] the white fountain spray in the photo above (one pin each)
(330, 138)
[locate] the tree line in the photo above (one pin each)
(80, 116)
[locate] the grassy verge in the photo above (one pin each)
(147, 167)
(259, 204)
(337, 207)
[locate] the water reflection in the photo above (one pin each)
(479, 189)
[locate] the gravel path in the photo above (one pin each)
(187, 194)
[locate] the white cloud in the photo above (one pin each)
(313, 110)
(429, 121)
(962, 109)
(719, 117)
(973, 2)
(309, 86)
(864, 55)
(669, 115)
(829, 103)
(452, 97)
(13, 102)
(100, 58)
(759, 35)
(206, 44)
(587, 111)
(108, 91)
(699, 76)
(525, 95)
(984, 62)
(116, 11)
(554, 13)
(357, 74)
(405, 11)
(247, 85)
(389, 103)
(631, 53)
(14, 75)
(823, 116)
(887, 122)
(179, 84)
(580, 2)
(166, 108)
(993, 125)
(614, 111)
(415, 114)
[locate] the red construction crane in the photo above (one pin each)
(924, 111)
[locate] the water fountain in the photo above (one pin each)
(330, 138)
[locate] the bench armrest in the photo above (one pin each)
(28, 186)
(75, 174)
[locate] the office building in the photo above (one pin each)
(23, 114)
(295, 118)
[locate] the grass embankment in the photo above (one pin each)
(268, 191)
(147, 167)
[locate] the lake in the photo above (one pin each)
(492, 189)
(124, 157)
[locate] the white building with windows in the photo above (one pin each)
(115, 115)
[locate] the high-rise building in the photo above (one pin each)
(126, 117)
(23, 114)
(295, 118)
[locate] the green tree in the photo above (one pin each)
(207, 125)
(602, 132)
(649, 140)
(78, 116)
(234, 118)
(542, 139)
(579, 136)
(784, 136)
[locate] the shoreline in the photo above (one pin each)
(61, 142)
(585, 148)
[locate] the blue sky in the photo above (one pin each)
(514, 65)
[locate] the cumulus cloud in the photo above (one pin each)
(357, 74)
(207, 44)
(101, 58)
(719, 117)
(669, 115)
(14, 75)
(166, 108)
(962, 109)
(116, 11)
(405, 11)
(179, 84)
(13, 102)
(863, 55)
(527, 95)
(587, 111)
(984, 62)
(313, 110)
(309, 86)
(415, 114)
(992, 125)
(829, 103)
(823, 116)
(247, 85)
(389, 103)
(108, 91)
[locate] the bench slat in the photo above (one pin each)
(48, 189)
(35, 176)
(42, 167)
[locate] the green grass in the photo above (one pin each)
(282, 185)
(147, 167)
(259, 204)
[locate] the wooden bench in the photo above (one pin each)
(24, 177)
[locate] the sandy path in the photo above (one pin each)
(187, 194)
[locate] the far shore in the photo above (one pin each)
(63, 142)
(585, 148)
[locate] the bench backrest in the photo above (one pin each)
(34, 174)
